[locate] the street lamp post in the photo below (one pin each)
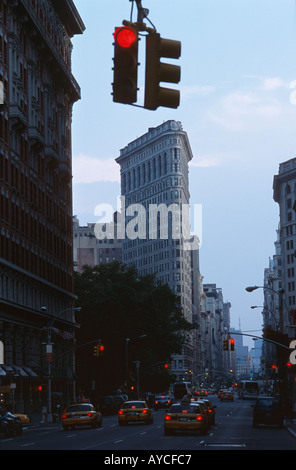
(127, 340)
(49, 358)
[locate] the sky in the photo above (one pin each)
(237, 105)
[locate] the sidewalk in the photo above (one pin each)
(37, 419)
(291, 426)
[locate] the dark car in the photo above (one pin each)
(269, 411)
(163, 401)
(226, 396)
(107, 405)
(10, 425)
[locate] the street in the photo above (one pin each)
(232, 431)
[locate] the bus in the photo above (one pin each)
(248, 389)
(181, 389)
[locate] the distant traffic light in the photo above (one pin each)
(232, 343)
(157, 72)
(125, 80)
(96, 350)
(225, 345)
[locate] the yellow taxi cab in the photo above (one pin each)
(81, 414)
(134, 411)
(24, 419)
(185, 417)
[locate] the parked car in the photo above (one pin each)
(268, 411)
(134, 411)
(81, 414)
(185, 417)
(24, 419)
(10, 425)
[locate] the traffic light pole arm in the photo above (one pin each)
(264, 339)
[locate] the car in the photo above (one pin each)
(134, 411)
(185, 417)
(225, 395)
(163, 401)
(108, 405)
(211, 410)
(118, 399)
(268, 411)
(221, 391)
(24, 419)
(10, 425)
(81, 414)
(201, 402)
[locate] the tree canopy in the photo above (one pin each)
(118, 307)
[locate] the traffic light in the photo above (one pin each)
(96, 352)
(225, 345)
(166, 366)
(125, 79)
(156, 72)
(232, 343)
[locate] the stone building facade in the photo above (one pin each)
(36, 246)
(154, 175)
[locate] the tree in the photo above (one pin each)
(117, 303)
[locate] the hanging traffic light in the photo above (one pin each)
(225, 345)
(125, 68)
(156, 72)
(232, 343)
(96, 350)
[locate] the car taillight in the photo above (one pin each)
(89, 415)
(167, 417)
(120, 412)
(64, 416)
(144, 411)
(198, 418)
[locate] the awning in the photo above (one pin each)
(2, 372)
(30, 371)
(20, 371)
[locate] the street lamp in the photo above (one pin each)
(269, 311)
(282, 300)
(49, 358)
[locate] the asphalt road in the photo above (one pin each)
(232, 431)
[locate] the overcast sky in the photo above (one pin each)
(238, 65)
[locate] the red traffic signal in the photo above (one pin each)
(232, 343)
(125, 68)
(125, 37)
